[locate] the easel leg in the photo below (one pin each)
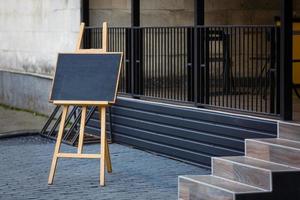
(107, 154)
(107, 158)
(102, 113)
(57, 145)
(81, 132)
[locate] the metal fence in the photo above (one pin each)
(233, 67)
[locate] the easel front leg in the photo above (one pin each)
(57, 145)
(102, 115)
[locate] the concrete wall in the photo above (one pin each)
(153, 12)
(181, 12)
(25, 91)
(32, 33)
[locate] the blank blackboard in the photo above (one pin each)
(86, 77)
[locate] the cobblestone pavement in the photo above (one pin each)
(25, 163)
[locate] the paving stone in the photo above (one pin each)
(25, 164)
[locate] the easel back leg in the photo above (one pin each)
(81, 132)
(107, 158)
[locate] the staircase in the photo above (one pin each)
(270, 170)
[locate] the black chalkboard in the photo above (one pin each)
(86, 77)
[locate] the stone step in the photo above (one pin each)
(250, 171)
(210, 187)
(290, 131)
(274, 150)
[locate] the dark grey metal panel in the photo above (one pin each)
(192, 135)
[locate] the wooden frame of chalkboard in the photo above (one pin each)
(87, 102)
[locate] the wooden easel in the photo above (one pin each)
(104, 155)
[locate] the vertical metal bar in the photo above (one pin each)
(252, 69)
(141, 62)
(198, 82)
(190, 51)
(256, 69)
(177, 74)
(286, 107)
(248, 67)
(128, 60)
(243, 67)
(181, 64)
(174, 66)
(232, 55)
(147, 71)
(236, 68)
(218, 39)
(196, 66)
(159, 82)
(272, 71)
(135, 13)
(214, 30)
(171, 64)
(222, 78)
(155, 67)
(151, 72)
(85, 12)
(185, 64)
(166, 64)
(278, 68)
(239, 71)
(226, 70)
(262, 69)
(133, 87)
(266, 31)
(199, 12)
(207, 66)
(136, 71)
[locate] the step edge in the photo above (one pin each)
(205, 184)
(288, 123)
(262, 189)
(257, 190)
(293, 141)
(289, 168)
(295, 168)
(269, 143)
(246, 165)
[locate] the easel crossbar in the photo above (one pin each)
(76, 155)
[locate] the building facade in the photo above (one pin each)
(33, 32)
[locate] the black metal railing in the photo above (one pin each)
(239, 67)
(233, 67)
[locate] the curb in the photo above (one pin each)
(19, 133)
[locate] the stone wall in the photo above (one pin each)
(181, 12)
(153, 12)
(32, 33)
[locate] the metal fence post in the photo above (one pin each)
(286, 110)
(137, 74)
(128, 61)
(191, 64)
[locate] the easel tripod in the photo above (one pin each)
(104, 155)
